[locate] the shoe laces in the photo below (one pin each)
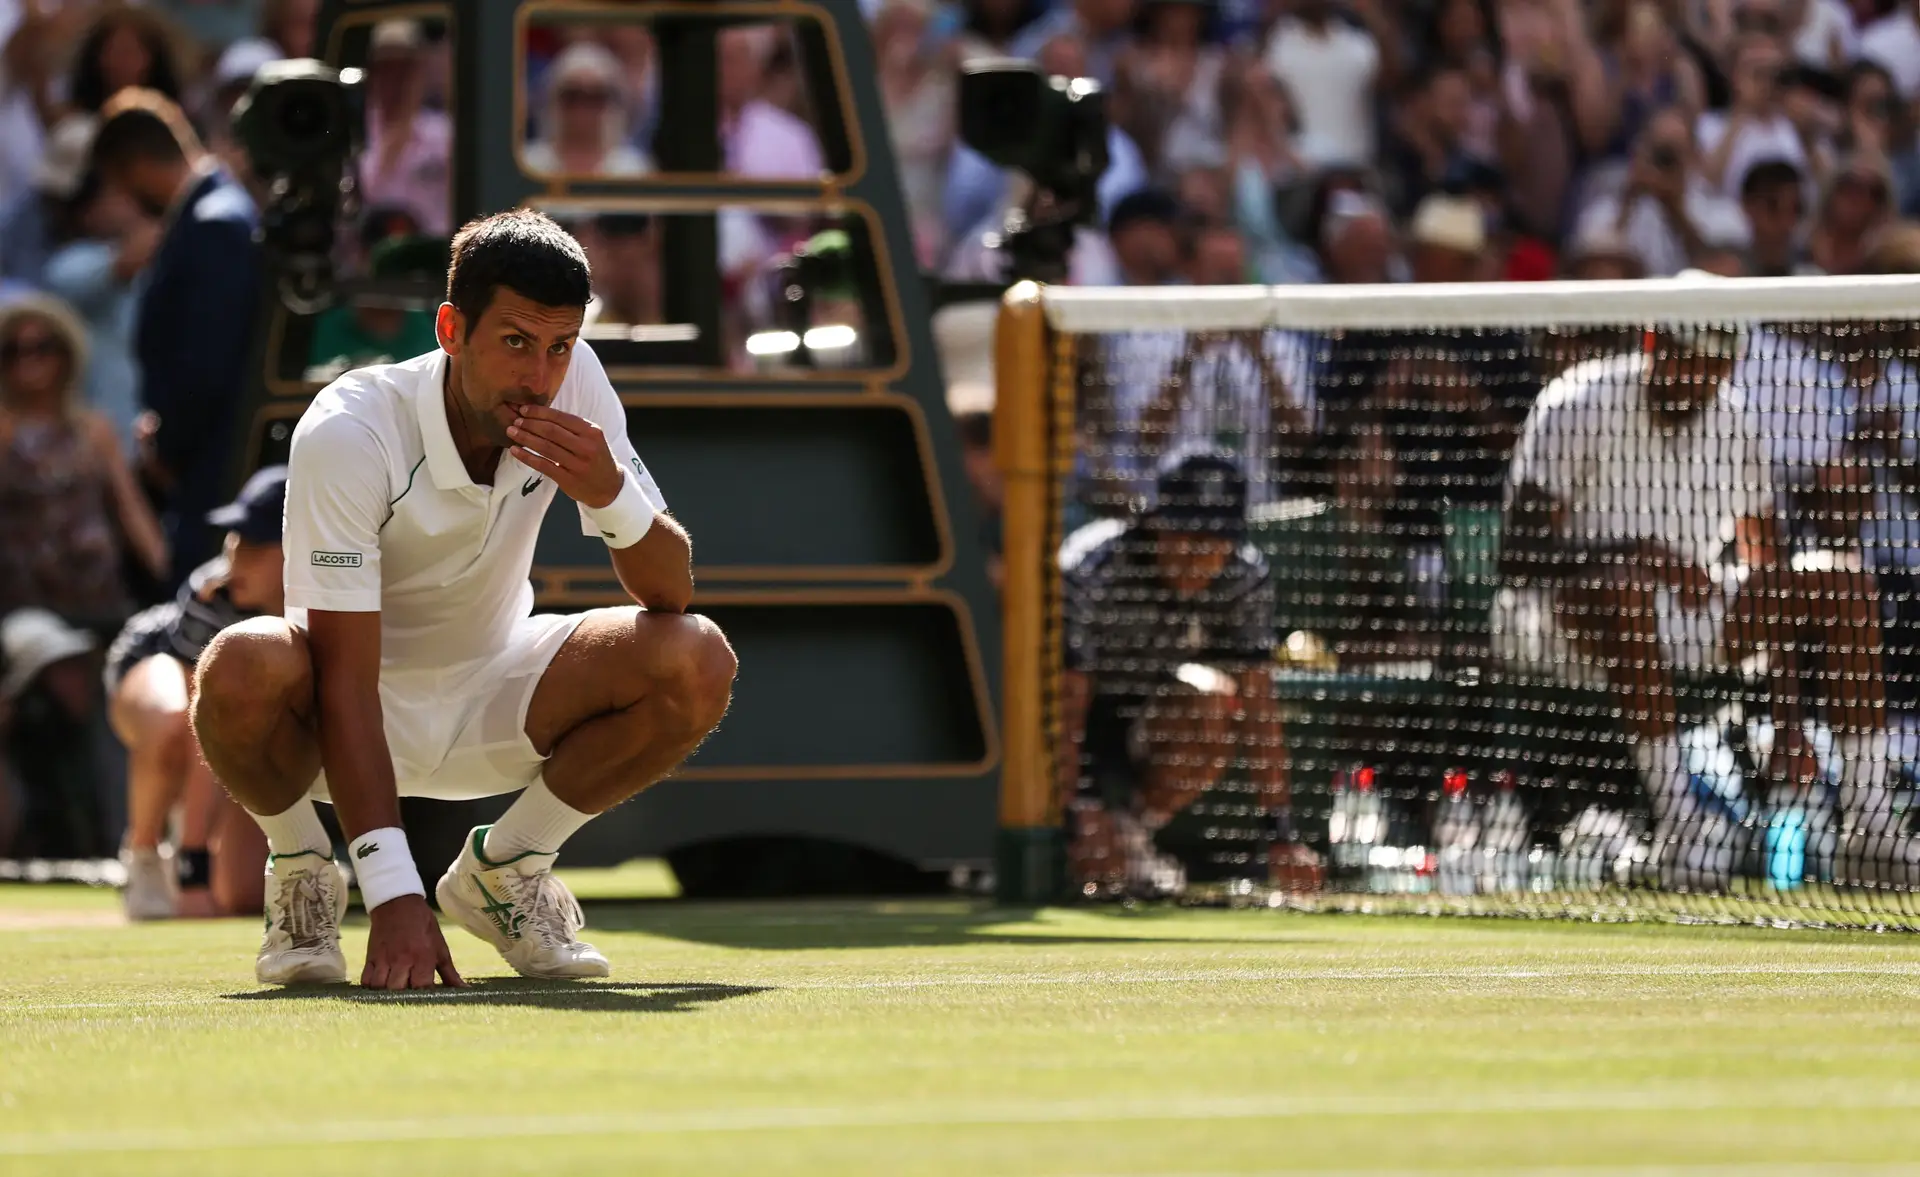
(310, 919)
(551, 909)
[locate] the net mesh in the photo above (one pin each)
(1614, 614)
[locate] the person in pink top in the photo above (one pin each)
(761, 140)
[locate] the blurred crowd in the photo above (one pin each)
(1330, 140)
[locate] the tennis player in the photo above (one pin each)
(409, 661)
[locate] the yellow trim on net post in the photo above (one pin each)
(1021, 450)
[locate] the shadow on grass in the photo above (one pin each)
(629, 997)
(899, 924)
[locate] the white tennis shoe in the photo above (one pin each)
(306, 900)
(152, 890)
(520, 908)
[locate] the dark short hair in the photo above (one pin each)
(523, 250)
(1764, 178)
(141, 125)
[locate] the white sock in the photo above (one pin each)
(297, 831)
(537, 823)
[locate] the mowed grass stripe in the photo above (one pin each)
(1187, 1108)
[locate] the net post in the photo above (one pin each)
(1029, 866)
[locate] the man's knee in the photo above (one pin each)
(701, 669)
(256, 666)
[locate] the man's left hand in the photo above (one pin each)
(568, 449)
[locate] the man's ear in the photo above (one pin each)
(450, 328)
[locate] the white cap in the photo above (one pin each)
(243, 59)
(32, 640)
(963, 334)
(1450, 222)
(402, 36)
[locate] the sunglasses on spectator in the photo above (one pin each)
(15, 350)
(584, 96)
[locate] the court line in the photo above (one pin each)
(936, 1114)
(1735, 1169)
(1021, 980)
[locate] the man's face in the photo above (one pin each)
(1450, 104)
(1772, 216)
(1148, 252)
(515, 354)
(1440, 263)
(1682, 382)
(1106, 16)
(142, 182)
(1360, 250)
(1189, 561)
(1219, 259)
(256, 581)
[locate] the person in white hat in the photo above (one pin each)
(47, 688)
(588, 117)
(1447, 240)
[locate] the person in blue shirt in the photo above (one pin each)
(197, 309)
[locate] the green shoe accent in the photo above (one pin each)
(301, 854)
(480, 849)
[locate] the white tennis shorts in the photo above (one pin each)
(1527, 632)
(461, 733)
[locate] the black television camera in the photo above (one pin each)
(1052, 129)
(300, 123)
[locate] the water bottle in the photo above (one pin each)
(1503, 840)
(1787, 849)
(1456, 835)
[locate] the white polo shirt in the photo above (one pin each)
(1623, 474)
(382, 517)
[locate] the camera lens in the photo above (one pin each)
(304, 116)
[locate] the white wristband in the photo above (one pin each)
(627, 519)
(383, 865)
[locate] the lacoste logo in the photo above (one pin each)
(336, 559)
(369, 848)
(529, 486)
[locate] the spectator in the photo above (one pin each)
(1876, 121)
(919, 90)
(293, 25)
(198, 308)
(1146, 242)
(1171, 78)
(35, 221)
(211, 24)
(1333, 69)
(1773, 199)
(381, 328)
(232, 75)
(1820, 33)
(588, 121)
(624, 251)
(407, 161)
(1205, 193)
(760, 140)
(1356, 240)
(1649, 74)
(1667, 212)
(1599, 252)
(50, 689)
(1460, 37)
(1555, 109)
(1858, 201)
(1449, 241)
(1259, 127)
(68, 502)
(1169, 635)
(1755, 127)
(96, 273)
(1426, 144)
(1216, 255)
(124, 46)
(1893, 44)
(991, 25)
(1103, 27)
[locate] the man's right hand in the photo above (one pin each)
(405, 948)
